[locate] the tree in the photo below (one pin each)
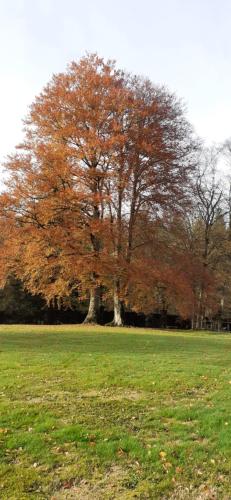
(210, 207)
(151, 174)
(101, 148)
(56, 182)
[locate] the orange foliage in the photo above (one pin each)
(101, 148)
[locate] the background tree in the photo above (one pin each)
(209, 198)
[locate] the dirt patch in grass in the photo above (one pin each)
(108, 487)
(105, 395)
(36, 400)
(204, 492)
(102, 395)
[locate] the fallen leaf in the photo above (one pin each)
(167, 465)
(121, 452)
(67, 485)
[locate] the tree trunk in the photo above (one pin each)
(163, 318)
(93, 308)
(117, 320)
(197, 325)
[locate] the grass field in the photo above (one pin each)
(103, 413)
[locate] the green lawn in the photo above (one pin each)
(103, 413)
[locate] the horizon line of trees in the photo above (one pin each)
(111, 199)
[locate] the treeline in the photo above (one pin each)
(111, 202)
(19, 306)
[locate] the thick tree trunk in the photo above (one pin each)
(93, 308)
(117, 320)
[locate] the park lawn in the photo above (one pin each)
(103, 413)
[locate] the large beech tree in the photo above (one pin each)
(56, 184)
(101, 148)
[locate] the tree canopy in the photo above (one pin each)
(100, 198)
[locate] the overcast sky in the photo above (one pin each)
(184, 44)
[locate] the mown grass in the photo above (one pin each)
(109, 413)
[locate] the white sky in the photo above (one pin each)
(184, 44)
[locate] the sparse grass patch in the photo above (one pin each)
(114, 413)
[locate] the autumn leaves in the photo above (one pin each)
(106, 157)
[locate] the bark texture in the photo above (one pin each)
(117, 320)
(93, 308)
